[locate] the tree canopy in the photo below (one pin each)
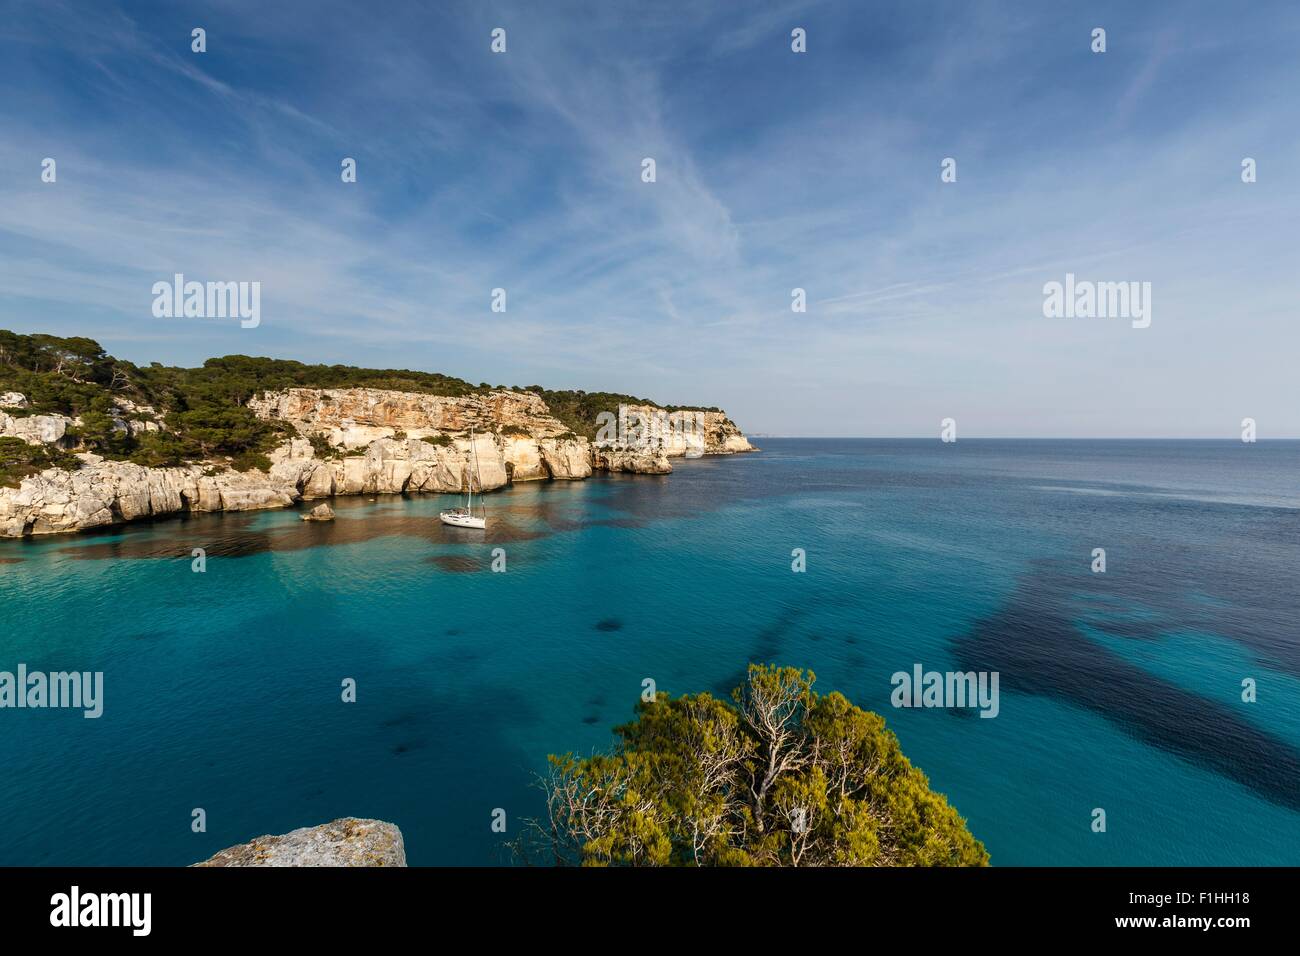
(780, 776)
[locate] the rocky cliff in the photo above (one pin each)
(52, 429)
(344, 842)
(354, 441)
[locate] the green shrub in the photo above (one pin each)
(250, 460)
(780, 776)
(159, 450)
(322, 448)
(580, 410)
(19, 460)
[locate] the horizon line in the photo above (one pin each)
(1016, 438)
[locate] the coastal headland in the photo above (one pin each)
(88, 441)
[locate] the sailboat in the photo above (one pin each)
(465, 517)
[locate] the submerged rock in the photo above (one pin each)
(344, 842)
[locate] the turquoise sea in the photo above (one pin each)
(1119, 690)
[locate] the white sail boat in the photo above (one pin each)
(465, 517)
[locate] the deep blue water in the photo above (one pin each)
(1120, 691)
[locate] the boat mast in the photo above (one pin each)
(474, 451)
(469, 479)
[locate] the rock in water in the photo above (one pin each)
(345, 842)
(321, 512)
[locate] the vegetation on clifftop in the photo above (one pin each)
(782, 776)
(580, 410)
(19, 459)
(205, 409)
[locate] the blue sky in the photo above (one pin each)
(775, 171)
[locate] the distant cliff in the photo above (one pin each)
(77, 453)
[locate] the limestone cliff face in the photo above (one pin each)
(344, 842)
(331, 411)
(51, 429)
(681, 434)
(636, 460)
(35, 429)
(378, 442)
(357, 418)
(722, 436)
(108, 492)
(392, 466)
(105, 492)
(566, 457)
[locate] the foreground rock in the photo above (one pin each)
(344, 842)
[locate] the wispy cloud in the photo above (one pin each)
(774, 171)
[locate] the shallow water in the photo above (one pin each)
(1120, 691)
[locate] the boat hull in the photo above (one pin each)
(462, 521)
